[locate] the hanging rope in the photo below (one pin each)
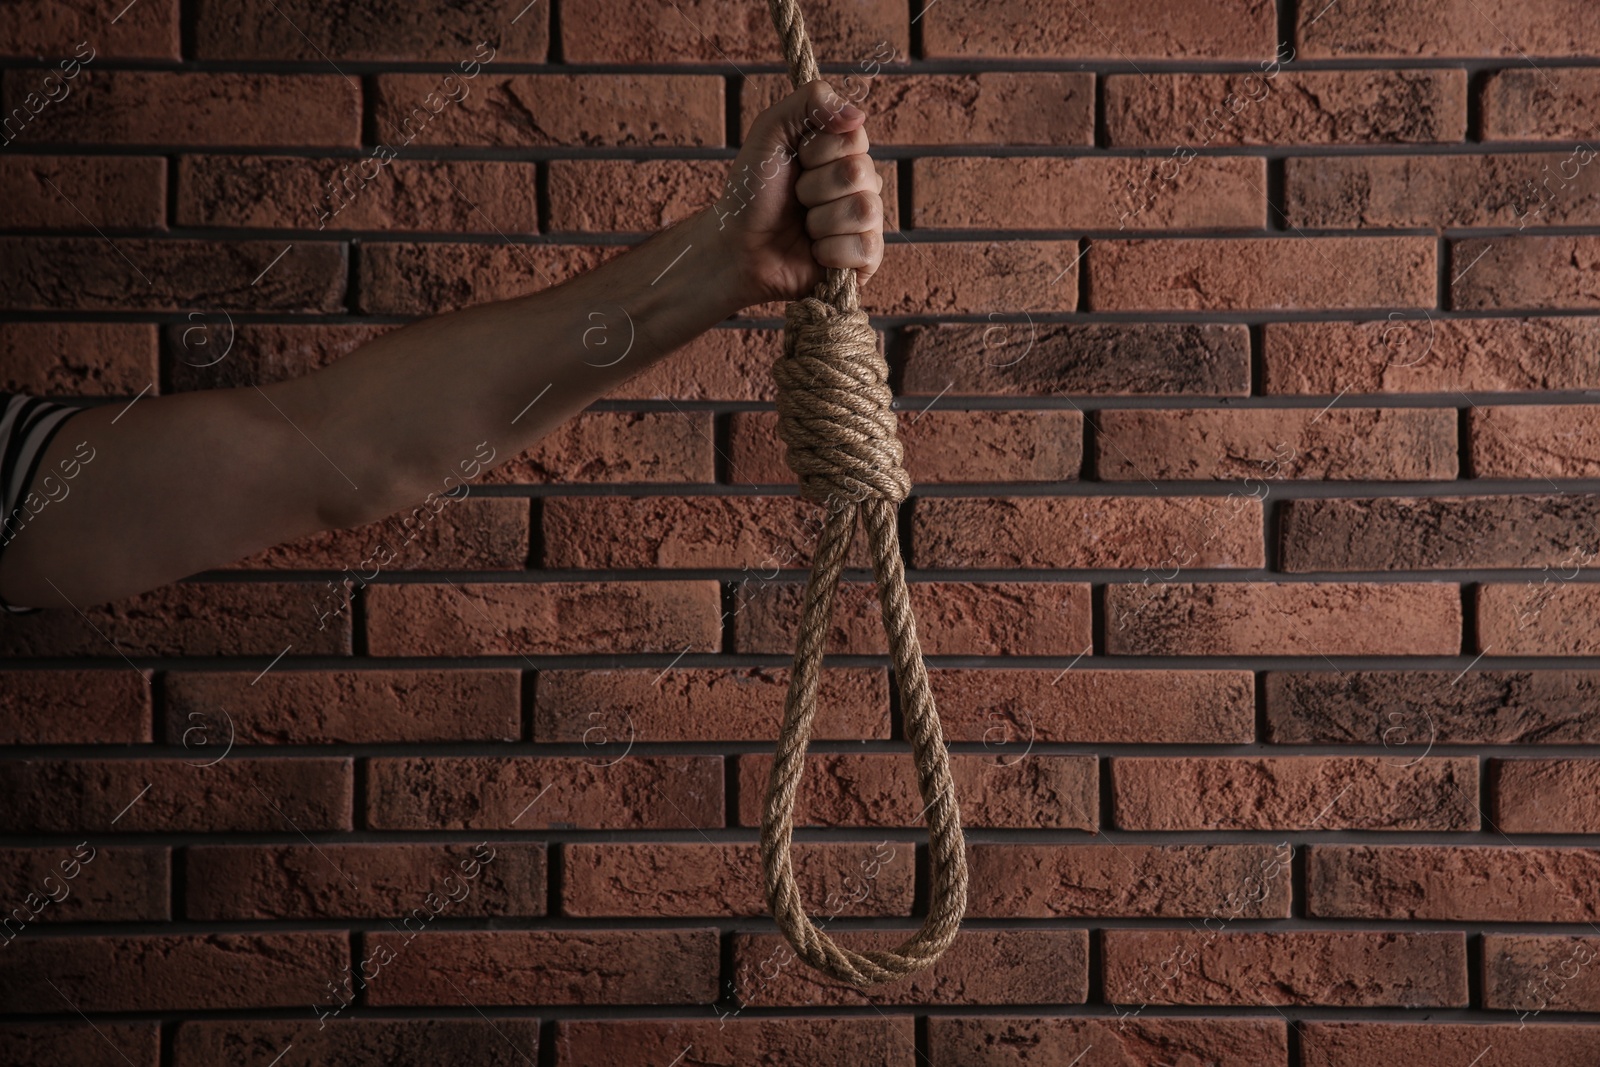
(835, 417)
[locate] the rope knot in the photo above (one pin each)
(834, 406)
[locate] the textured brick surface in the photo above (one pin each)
(1527, 272)
(725, 32)
(1519, 105)
(520, 967)
(113, 192)
(1341, 1044)
(1016, 706)
(1294, 793)
(698, 879)
(1219, 275)
(953, 618)
(1411, 533)
(605, 710)
(1427, 354)
(1448, 28)
(617, 447)
(1019, 357)
(42, 28)
(1380, 192)
(1053, 792)
(1529, 973)
(1284, 619)
(1547, 616)
(484, 534)
(940, 446)
(1101, 30)
(370, 30)
(103, 1045)
(1070, 532)
(734, 1039)
(1408, 710)
(84, 883)
(1310, 107)
(980, 967)
(77, 358)
(1534, 441)
(480, 793)
(1548, 796)
(74, 707)
(1384, 445)
(1481, 884)
(399, 278)
(364, 881)
(1002, 1041)
(1416, 970)
(360, 1042)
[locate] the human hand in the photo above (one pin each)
(802, 196)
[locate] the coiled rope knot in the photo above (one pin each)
(835, 409)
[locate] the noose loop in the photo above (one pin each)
(834, 415)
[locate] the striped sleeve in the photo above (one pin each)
(26, 426)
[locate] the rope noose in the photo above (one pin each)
(835, 417)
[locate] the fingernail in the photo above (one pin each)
(850, 112)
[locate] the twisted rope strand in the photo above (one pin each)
(835, 416)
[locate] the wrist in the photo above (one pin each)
(727, 282)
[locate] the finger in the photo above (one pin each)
(827, 147)
(855, 213)
(863, 251)
(842, 177)
(810, 110)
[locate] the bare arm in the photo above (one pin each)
(182, 483)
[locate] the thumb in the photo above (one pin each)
(811, 109)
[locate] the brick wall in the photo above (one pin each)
(1247, 360)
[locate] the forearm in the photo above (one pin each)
(406, 409)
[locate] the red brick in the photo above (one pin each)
(82, 274)
(1264, 273)
(486, 534)
(364, 881)
(113, 192)
(1430, 355)
(983, 107)
(83, 883)
(1089, 193)
(584, 193)
(1434, 28)
(1529, 973)
(1388, 444)
(558, 110)
(1453, 883)
(355, 707)
(725, 364)
(1295, 107)
(176, 972)
(880, 789)
(764, 533)
(1034, 966)
(697, 879)
(1100, 29)
(953, 618)
(1519, 190)
(292, 192)
(211, 351)
(1293, 793)
(523, 793)
(1051, 359)
(1545, 796)
(726, 32)
(1419, 533)
(1539, 104)
(522, 967)
(1534, 441)
(370, 31)
(1350, 968)
(607, 710)
(43, 28)
(67, 796)
(940, 446)
(1410, 710)
(74, 707)
(193, 108)
(99, 1044)
(1083, 532)
(1551, 617)
(216, 619)
(1525, 272)
(817, 1042)
(1138, 881)
(357, 1042)
(563, 618)
(1494, 1045)
(77, 358)
(614, 447)
(1106, 707)
(1283, 619)
(971, 277)
(993, 1041)
(427, 279)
